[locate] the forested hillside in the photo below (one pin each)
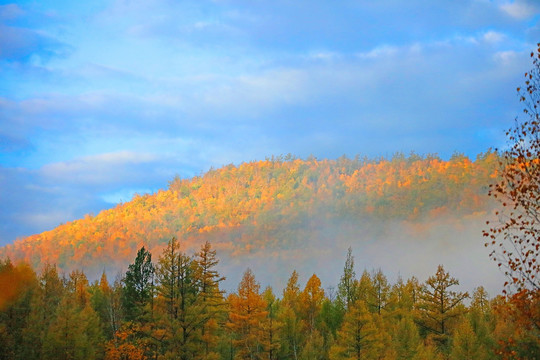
(278, 203)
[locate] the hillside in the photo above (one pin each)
(275, 204)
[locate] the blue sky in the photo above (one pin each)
(102, 99)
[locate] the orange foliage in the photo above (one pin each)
(259, 203)
(13, 280)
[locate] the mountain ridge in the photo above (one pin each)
(273, 204)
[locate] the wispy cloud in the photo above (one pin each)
(521, 9)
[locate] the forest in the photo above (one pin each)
(275, 204)
(174, 308)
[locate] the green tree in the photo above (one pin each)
(210, 298)
(358, 336)
(347, 287)
(138, 286)
(76, 331)
(178, 294)
(406, 338)
(291, 331)
(438, 305)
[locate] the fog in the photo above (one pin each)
(398, 248)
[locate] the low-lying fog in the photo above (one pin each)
(398, 248)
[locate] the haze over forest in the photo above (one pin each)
(405, 215)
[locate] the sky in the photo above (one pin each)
(103, 99)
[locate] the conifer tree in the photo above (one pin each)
(466, 345)
(43, 309)
(210, 298)
(246, 318)
(357, 338)
(75, 332)
(438, 305)
(272, 324)
(311, 300)
(291, 332)
(379, 293)
(406, 338)
(347, 287)
(138, 286)
(178, 295)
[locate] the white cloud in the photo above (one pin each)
(493, 37)
(505, 57)
(97, 169)
(378, 52)
(520, 9)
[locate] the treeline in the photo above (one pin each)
(266, 204)
(174, 308)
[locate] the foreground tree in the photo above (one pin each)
(438, 305)
(515, 238)
(138, 285)
(246, 318)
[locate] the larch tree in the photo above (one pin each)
(291, 332)
(272, 324)
(311, 300)
(357, 339)
(438, 305)
(178, 302)
(246, 319)
(210, 298)
(347, 287)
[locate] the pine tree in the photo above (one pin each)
(379, 293)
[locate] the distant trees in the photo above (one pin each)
(266, 203)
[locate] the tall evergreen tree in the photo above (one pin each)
(138, 285)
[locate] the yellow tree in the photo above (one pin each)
(246, 319)
(358, 338)
(311, 300)
(291, 334)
